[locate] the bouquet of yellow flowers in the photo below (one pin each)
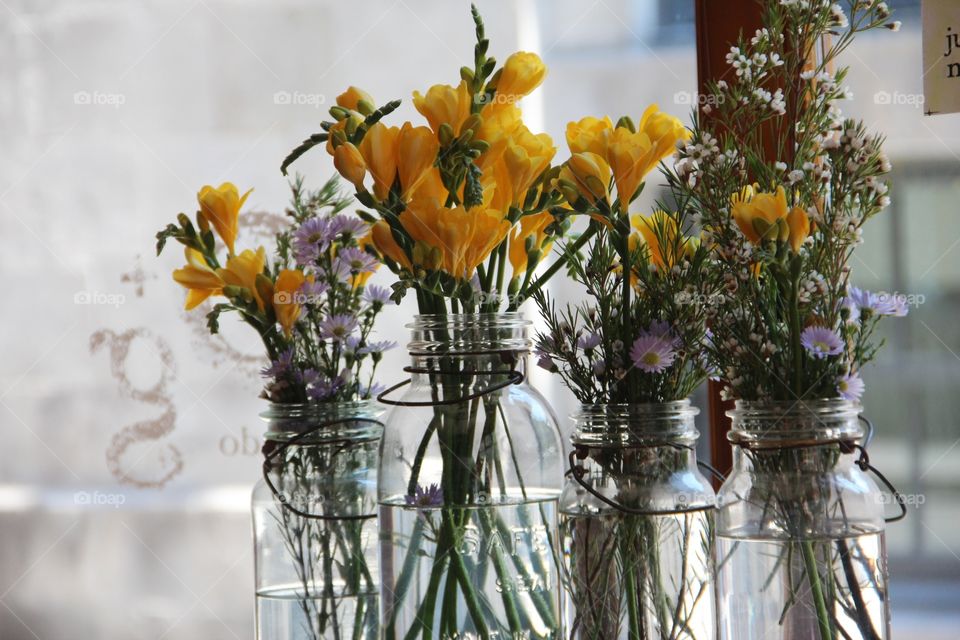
(463, 209)
(458, 201)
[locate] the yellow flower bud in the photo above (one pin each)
(590, 173)
(444, 104)
(221, 207)
(521, 74)
(757, 212)
(286, 302)
(350, 99)
(589, 134)
(349, 162)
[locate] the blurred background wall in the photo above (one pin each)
(130, 438)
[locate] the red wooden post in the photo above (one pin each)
(719, 23)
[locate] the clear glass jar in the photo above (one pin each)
(636, 519)
(470, 474)
(314, 523)
(800, 527)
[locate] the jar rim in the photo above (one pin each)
(815, 407)
(639, 409)
(499, 319)
(281, 410)
(469, 334)
(349, 419)
(640, 424)
(817, 420)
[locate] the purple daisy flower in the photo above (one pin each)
(431, 496)
(310, 240)
(653, 353)
(378, 347)
(850, 386)
(821, 342)
(546, 362)
(351, 343)
(308, 376)
(375, 294)
(338, 327)
(891, 304)
(357, 260)
(349, 226)
(280, 366)
(325, 389)
(312, 292)
(660, 328)
(372, 391)
(340, 270)
(589, 341)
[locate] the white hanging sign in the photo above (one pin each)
(941, 56)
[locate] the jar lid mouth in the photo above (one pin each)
(469, 334)
(499, 320)
(641, 410)
(646, 424)
(809, 421)
(369, 408)
(832, 408)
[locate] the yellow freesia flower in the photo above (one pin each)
(350, 99)
(382, 237)
(521, 74)
(759, 215)
(286, 304)
(663, 130)
(659, 232)
(463, 239)
(498, 122)
(444, 104)
(534, 226)
(221, 207)
(589, 134)
(633, 155)
(350, 163)
(525, 158)
(430, 186)
(199, 279)
(589, 173)
(379, 151)
(242, 271)
(417, 149)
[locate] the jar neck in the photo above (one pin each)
(328, 421)
(457, 344)
(795, 424)
(626, 425)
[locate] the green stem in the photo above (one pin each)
(816, 589)
(525, 293)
